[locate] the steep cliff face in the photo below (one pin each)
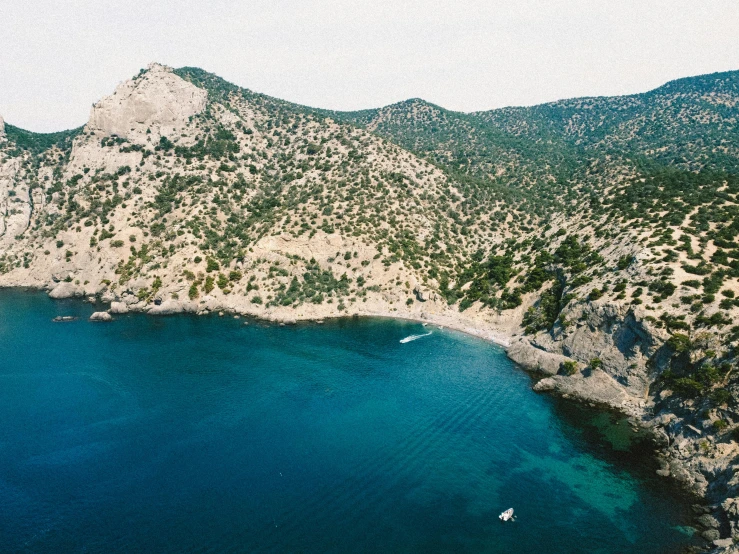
(15, 202)
(154, 104)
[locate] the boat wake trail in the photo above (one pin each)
(413, 337)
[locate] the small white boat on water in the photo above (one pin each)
(507, 515)
(413, 337)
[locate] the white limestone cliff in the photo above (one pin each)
(153, 104)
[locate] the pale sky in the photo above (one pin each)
(58, 57)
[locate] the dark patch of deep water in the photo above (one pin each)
(187, 434)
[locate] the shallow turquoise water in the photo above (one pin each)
(186, 434)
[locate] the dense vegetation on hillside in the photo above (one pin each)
(36, 143)
(627, 200)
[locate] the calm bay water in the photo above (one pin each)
(186, 434)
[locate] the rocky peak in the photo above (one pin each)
(2, 128)
(153, 104)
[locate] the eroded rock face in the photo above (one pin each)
(611, 333)
(15, 202)
(157, 103)
(2, 128)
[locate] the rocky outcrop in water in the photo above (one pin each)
(101, 316)
(66, 290)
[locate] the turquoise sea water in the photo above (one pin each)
(186, 434)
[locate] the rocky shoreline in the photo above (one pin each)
(715, 516)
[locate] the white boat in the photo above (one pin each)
(413, 337)
(507, 515)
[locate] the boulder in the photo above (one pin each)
(731, 507)
(129, 299)
(118, 308)
(167, 307)
(421, 295)
(711, 535)
(708, 521)
(101, 316)
(65, 290)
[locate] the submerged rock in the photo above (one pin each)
(61, 318)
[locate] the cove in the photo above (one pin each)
(206, 434)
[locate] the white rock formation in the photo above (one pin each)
(2, 128)
(101, 316)
(167, 307)
(66, 290)
(157, 103)
(15, 205)
(118, 308)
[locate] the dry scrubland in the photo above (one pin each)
(597, 237)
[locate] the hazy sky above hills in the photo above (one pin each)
(59, 57)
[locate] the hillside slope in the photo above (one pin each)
(597, 237)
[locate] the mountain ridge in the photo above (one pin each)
(704, 78)
(602, 250)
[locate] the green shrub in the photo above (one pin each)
(624, 262)
(569, 368)
(596, 363)
(685, 386)
(679, 343)
(193, 292)
(720, 425)
(212, 265)
(595, 294)
(208, 284)
(721, 396)
(256, 300)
